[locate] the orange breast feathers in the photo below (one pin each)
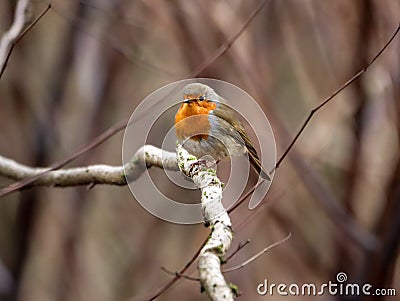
(198, 125)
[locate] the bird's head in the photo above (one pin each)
(199, 94)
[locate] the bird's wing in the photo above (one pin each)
(231, 116)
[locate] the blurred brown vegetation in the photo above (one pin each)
(86, 66)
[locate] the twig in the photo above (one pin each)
(179, 275)
(224, 47)
(170, 283)
(244, 197)
(14, 35)
(257, 255)
(240, 246)
(324, 102)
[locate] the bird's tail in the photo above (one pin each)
(255, 162)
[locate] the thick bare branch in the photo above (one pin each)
(220, 239)
(145, 157)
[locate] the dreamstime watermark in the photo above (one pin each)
(152, 122)
(331, 288)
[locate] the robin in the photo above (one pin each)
(205, 125)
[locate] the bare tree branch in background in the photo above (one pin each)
(329, 98)
(15, 33)
(224, 47)
(9, 38)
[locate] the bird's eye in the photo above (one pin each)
(201, 98)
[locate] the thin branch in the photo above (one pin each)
(345, 85)
(170, 283)
(257, 255)
(244, 197)
(179, 275)
(224, 47)
(14, 35)
(240, 246)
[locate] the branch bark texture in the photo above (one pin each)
(220, 239)
(144, 158)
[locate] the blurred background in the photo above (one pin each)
(87, 64)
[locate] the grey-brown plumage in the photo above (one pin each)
(227, 113)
